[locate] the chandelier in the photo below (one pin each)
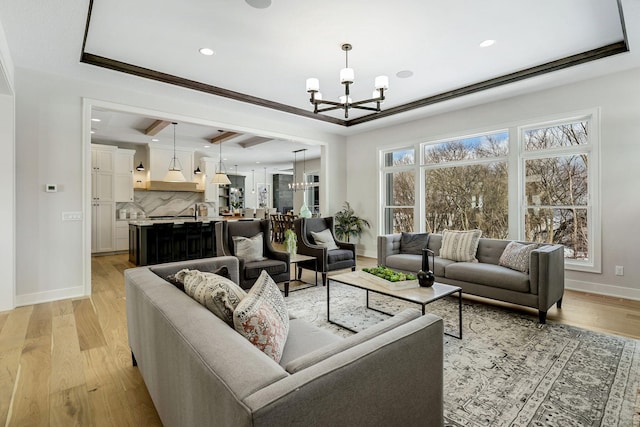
(302, 185)
(347, 77)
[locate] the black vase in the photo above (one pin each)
(426, 278)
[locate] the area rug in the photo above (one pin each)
(507, 370)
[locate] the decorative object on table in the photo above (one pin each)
(391, 279)
(426, 278)
(348, 224)
(347, 77)
(304, 211)
(290, 241)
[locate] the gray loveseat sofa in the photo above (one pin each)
(542, 287)
(200, 372)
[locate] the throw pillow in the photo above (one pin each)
(324, 238)
(262, 317)
(516, 256)
(460, 245)
(249, 248)
(218, 294)
(222, 271)
(413, 243)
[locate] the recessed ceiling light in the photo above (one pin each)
(257, 163)
(487, 43)
(93, 131)
(206, 51)
(404, 74)
(155, 140)
(95, 120)
(207, 146)
(259, 4)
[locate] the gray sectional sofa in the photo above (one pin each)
(540, 288)
(200, 372)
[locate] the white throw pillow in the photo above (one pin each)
(324, 238)
(516, 256)
(262, 317)
(219, 294)
(249, 248)
(460, 245)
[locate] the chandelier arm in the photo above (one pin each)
(338, 107)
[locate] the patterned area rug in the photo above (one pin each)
(507, 370)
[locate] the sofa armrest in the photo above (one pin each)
(547, 274)
(202, 264)
(388, 244)
(395, 378)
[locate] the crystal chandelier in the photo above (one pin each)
(301, 185)
(347, 77)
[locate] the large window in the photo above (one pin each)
(557, 193)
(531, 182)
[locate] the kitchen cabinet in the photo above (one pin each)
(123, 176)
(160, 157)
(102, 226)
(102, 167)
(122, 235)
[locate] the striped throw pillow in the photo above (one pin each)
(460, 245)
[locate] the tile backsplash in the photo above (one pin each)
(164, 203)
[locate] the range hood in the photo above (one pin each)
(172, 186)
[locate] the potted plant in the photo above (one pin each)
(290, 241)
(347, 224)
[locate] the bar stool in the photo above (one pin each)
(162, 242)
(193, 239)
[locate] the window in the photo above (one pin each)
(465, 183)
(532, 182)
(557, 191)
(399, 185)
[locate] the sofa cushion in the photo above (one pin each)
(516, 256)
(272, 266)
(460, 245)
(219, 294)
(262, 317)
(413, 243)
(304, 337)
(324, 238)
(337, 255)
(249, 248)
(488, 274)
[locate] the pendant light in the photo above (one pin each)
(253, 188)
(220, 177)
(140, 167)
(175, 168)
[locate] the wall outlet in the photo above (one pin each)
(72, 216)
(619, 270)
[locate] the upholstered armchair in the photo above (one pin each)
(276, 263)
(344, 256)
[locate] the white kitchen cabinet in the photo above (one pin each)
(122, 235)
(123, 176)
(160, 158)
(102, 167)
(102, 226)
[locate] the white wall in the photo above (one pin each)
(51, 254)
(617, 95)
(7, 177)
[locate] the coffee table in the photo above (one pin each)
(421, 296)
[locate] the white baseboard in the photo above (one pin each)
(47, 296)
(602, 289)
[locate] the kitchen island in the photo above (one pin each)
(154, 241)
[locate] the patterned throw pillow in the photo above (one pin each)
(460, 245)
(262, 317)
(219, 294)
(249, 248)
(516, 256)
(324, 238)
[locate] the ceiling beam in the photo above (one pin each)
(223, 136)
(156, 127)
(252, 142)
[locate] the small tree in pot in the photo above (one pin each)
(347, 224)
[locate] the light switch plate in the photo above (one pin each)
(72, 216)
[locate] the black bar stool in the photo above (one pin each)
(194, 239)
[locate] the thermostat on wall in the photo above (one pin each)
(52, 188)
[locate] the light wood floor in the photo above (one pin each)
(68, 362)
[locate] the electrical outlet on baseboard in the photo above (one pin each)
(619, 270)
